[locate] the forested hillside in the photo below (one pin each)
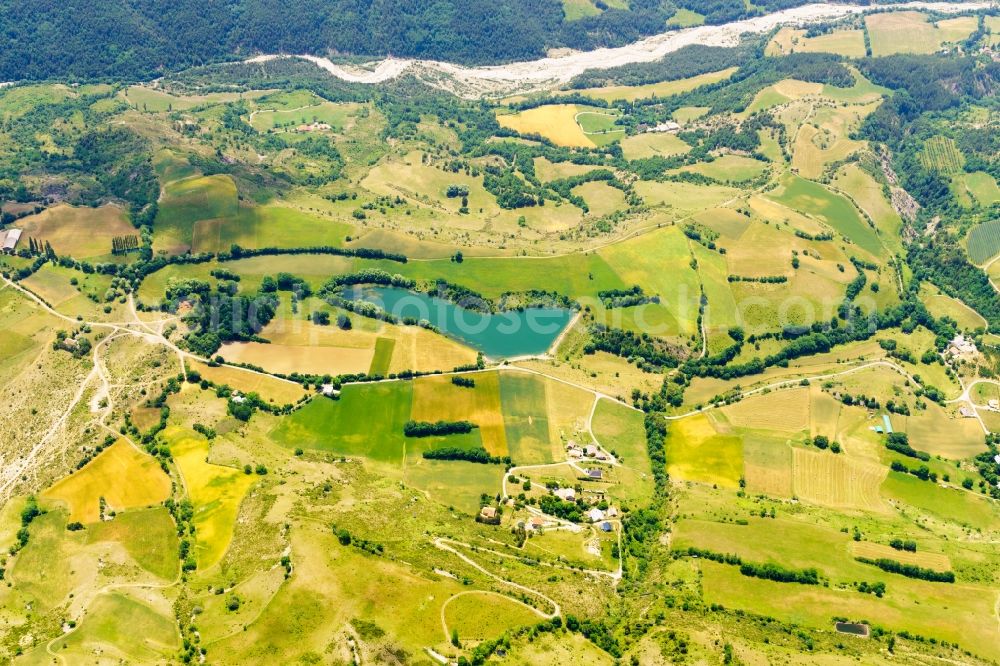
(140, 38)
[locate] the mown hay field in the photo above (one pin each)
(601, 198)
(660, 261)
(836, 481)
(52, 284)
(785, 411)
(82, 233)
(874, 551)
(976, 187)
(124, 476)
(269, 388)
(941, 305)
(269, 226)
(150, 99)
(767, 465)
(728, 168)
(622, 430)
(866, 192)
(949, 504)
(335, 115)
(946, 612)
(526, 419)
(481, 615)
(901, 32)
(367, 420)
(684, 197)
(826, 139)
(285, 359)
(117, 623)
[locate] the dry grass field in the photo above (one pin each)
(288, 359)
(848, 43)
(652, 144)
(83, 233)
(827, 138)
(556, 122)
(271, 389)
(911, 32)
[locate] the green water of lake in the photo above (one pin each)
(527, 332)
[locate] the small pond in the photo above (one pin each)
(528, 332)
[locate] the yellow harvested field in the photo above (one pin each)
(874, 551)
(286, 359)
(419, 349)
(215, 491)
(784, 411)
(299, 345)
(695, 451)
(437, 399)
(78, 232)
(124, 476)
(834, 480)
(269, 388)
(555, 122)
(661, 89)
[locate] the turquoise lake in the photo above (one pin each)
(528, 332)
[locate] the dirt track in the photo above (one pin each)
(521, 77)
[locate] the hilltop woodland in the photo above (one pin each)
(748, 411)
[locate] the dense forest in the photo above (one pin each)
(143, 38)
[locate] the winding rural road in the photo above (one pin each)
(443, 543)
